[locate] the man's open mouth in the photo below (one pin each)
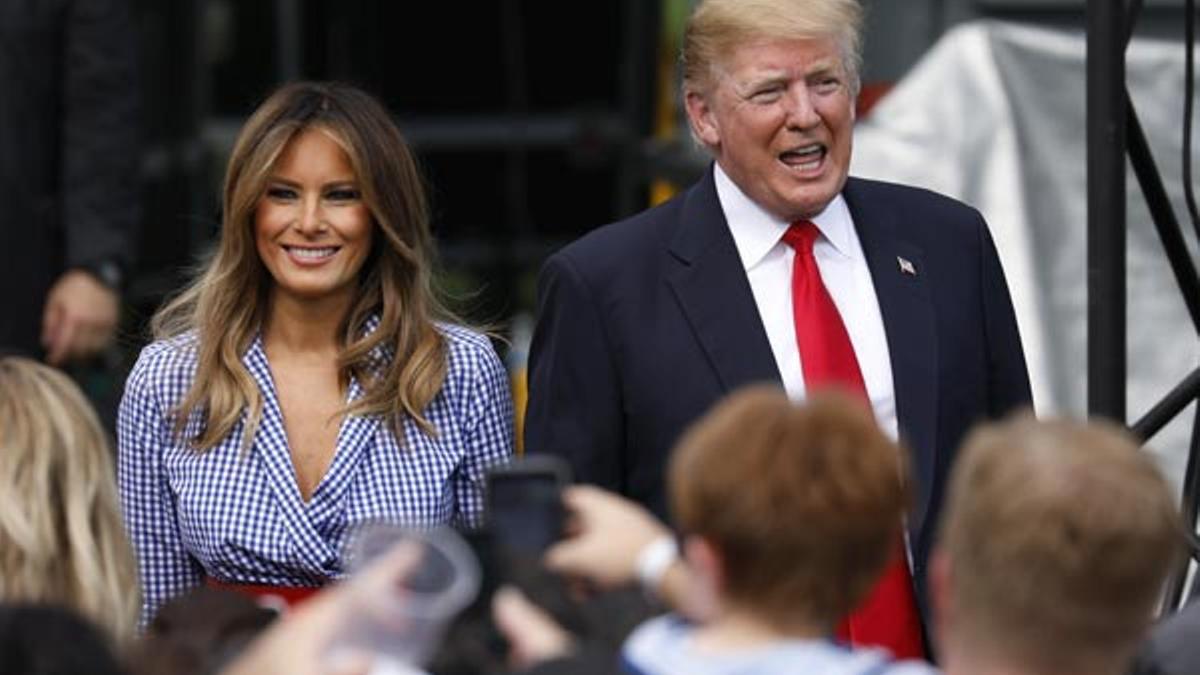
(805, 157)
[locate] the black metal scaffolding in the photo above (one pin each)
(1106, 208)
(1115, 132)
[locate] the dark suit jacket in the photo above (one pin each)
(647, 322)
(69, 156)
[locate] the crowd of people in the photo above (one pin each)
(1053, 547)
(796, 403)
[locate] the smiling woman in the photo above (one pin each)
(312, 229)
(308, 380)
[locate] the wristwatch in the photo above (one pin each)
(652, 563)
(107, 271)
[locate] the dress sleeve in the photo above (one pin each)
(165, 567)
(488, 435)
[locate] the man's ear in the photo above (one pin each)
(940, 591)
(703, 556)
(709, 567)
(702, 119)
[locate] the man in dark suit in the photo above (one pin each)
(774, 267)
(69, 165)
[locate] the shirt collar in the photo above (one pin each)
(756, 231)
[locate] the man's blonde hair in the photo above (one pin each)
(61, 538)
(717, 27)
(804, 503)
(1059, 536)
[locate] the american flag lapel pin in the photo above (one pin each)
(906, 266)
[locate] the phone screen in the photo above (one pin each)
(525, 512)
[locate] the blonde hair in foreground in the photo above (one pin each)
(227, 303)
(1059, 536)
(61, 538)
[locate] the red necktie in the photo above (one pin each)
(888, 617)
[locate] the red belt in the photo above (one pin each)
(290, 595)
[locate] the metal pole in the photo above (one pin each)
(1169, 231)
(1171, 405)
(1133, 10)
(1106, 208)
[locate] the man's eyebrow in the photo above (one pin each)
(759, 80)
(823, 68)
(772, 77)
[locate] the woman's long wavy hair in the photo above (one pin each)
(61, 537)
(227, 302)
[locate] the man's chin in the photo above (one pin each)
(804, 207)
(809, 200)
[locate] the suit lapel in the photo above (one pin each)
(897, 269)
(710, 284)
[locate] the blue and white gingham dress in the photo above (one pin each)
(239, 517)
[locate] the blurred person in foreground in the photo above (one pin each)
(778, 267)
(1057, 538)
(52, 640)
(69, 168)
(199, 633)
(776, 566)
(306, 640)
(61, 539)
(1056, 541)
(787, 514)
(308, 380)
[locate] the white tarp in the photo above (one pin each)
(994, 115)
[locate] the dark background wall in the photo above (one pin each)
(531, 117)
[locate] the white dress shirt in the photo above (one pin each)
(758, 236)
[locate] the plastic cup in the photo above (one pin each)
(404, 609)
